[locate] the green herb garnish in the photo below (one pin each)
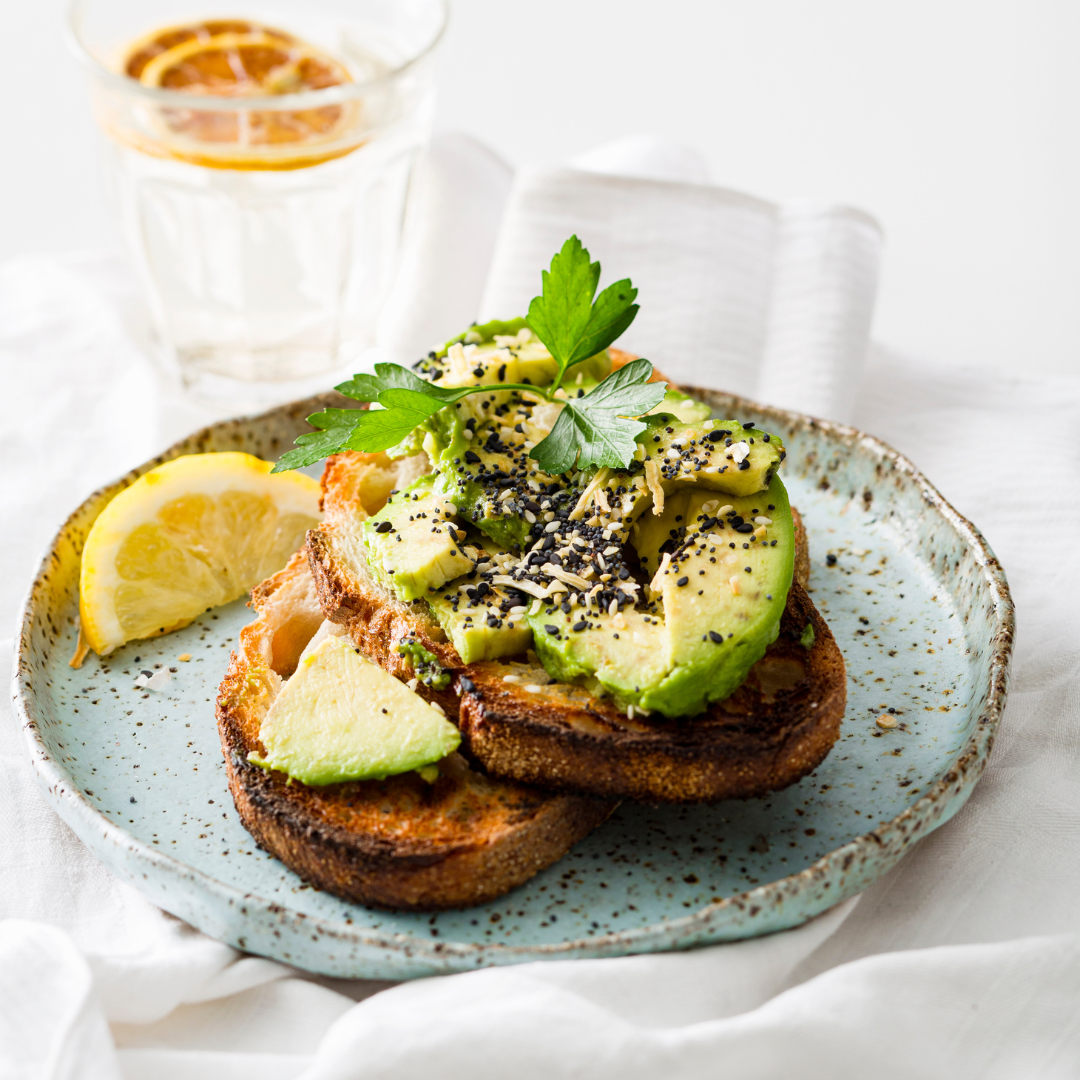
(595, 429)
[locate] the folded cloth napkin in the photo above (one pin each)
(771, 302)
(963, 962)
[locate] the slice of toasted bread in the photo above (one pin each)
(399, 843)
(776, 728)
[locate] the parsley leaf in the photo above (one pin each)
(564, 316)
(396, 377)
(596, 426)
(369, 430)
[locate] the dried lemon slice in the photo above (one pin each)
(236, 59)
(191, 534)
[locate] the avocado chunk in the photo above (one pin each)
(498, 352)
(413, 543)
(683, 407)
(479, 621)
(341, 717)
(480, 465)
(722, 455)
(622, 654)
(720, 579)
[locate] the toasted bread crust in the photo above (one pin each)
(400, 843)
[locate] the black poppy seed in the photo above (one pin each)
(579, 626)
(683, 581)
(715, 637)
(830, 560)
(551, 629)
(384, 527)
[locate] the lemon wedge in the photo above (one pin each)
(193, 533)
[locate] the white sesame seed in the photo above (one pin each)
(672, 454)
(437, 707)
(468, 434)
(412, 684)
(613, 608)
(725, 510)
(512, 678)
(736, 585)
(533, 484)
(531, 688)
(613, 550)
(549, 515)
(530, 517)
(505, 494)
(762, 520)
(551, 526)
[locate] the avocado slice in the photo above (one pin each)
(683, 407)
(502, 351)
(477, 618)
(711, 619)
(413, 543)
(722, 455)
(341, 717)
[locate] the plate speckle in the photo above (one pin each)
(914, 598)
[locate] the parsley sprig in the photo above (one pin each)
(595, 429)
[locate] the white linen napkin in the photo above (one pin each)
(771, 302)
(962, 963)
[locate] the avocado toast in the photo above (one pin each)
(453, 839)
(518, 722)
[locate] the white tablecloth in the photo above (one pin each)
(962, 962)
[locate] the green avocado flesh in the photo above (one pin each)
(341, 717)
(507, 558)
(718, 597)
(413, 542)
(722, 455)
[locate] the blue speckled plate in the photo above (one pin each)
(917, 602)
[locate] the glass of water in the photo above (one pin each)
(260, 161)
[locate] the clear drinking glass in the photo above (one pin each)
(260, 159)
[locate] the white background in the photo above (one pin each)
(955, 122)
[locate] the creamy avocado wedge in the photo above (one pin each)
(575, 505)
(341, 717)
